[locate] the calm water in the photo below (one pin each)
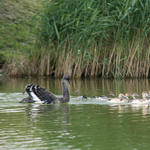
(78, 125)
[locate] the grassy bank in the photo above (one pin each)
(17, 34)
(86, 38)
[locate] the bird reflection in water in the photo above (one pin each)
(35, 111)
(134, 108)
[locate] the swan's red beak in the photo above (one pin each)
(69, 82)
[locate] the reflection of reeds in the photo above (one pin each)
(90, 87)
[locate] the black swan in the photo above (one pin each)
(38, 94)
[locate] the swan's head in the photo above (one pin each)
(68, 78)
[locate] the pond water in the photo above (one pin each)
(78, 125)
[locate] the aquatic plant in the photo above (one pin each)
(112, 37)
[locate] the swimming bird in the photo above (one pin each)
(39, 94)
(135, 95)
(80, 97)
(126, 100)
(141, 101)
(105, 98)
(118, 99)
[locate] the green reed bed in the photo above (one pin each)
(107, 38)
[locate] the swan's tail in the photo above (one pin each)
(27, 100)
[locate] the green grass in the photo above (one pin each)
(16, 23)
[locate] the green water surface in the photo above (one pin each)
(80, 124)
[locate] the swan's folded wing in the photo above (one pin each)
(43, 94)
(38, 94)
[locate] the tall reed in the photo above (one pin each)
(93, 38)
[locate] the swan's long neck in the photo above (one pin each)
(66, 95)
